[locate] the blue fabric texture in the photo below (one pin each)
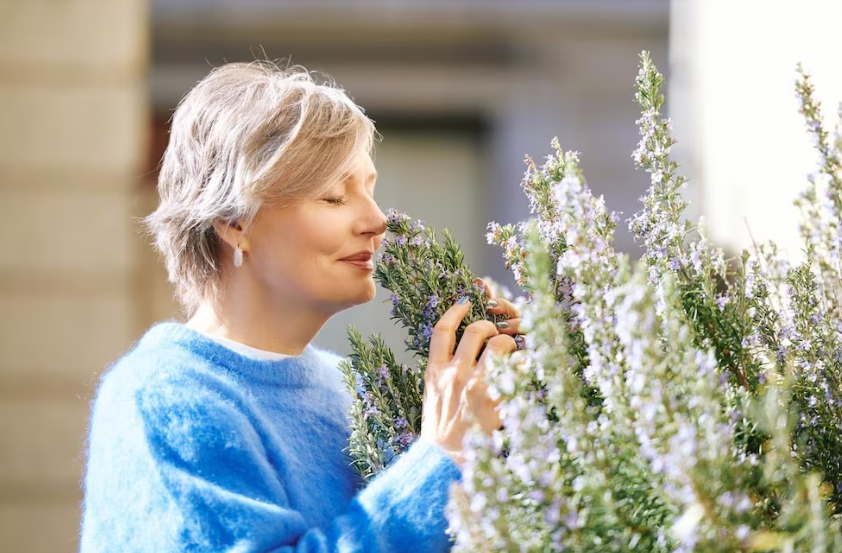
(193, 447)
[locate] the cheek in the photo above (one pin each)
(324, 236)
(302, 248)
(330, 245)
(308, 247)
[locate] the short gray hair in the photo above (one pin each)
(246, 135)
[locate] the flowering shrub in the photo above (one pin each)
(686, 402)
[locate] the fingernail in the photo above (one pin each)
(463, 300)
(492, 303)
(502, 324)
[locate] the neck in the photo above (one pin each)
(278, 326)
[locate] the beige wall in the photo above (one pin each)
(72, 135)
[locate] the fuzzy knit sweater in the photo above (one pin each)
(193, 447)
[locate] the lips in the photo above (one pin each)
(360, 256)
(361, 260)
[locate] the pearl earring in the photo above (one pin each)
(238, 257)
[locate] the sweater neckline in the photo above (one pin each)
(243, 349)
(294, 370)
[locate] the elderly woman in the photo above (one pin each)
(229, 432)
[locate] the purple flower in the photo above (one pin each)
(536, 495)
(394, 217)
(571, 521)
(406, 438)
(426, 332)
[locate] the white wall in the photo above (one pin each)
(742, 140)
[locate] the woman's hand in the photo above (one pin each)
(502, 306)
(455, 390)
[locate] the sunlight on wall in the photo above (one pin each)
(736, 109)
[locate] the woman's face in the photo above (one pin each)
(319, 252)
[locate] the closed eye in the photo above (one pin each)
(336, 201)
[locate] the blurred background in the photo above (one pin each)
(460, 91)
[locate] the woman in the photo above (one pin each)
(227, 433)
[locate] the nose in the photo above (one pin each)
(375, 220)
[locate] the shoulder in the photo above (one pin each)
(156, 355)
(159, 374)
(174, 403)
(328, 360)
(330, 372)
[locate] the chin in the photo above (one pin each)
(357, 297)
(368, 295)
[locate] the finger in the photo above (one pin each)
(498, 306)
(444, 333)
(477, 394)
(510, 327)
(502, 306)
(481, 405)
(485, 286)
(477, 388)
(499, 345)
(473, 340)
(489, 293)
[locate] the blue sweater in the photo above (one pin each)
(194, 447)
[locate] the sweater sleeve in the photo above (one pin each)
(196, 477)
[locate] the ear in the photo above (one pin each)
(231, 233)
